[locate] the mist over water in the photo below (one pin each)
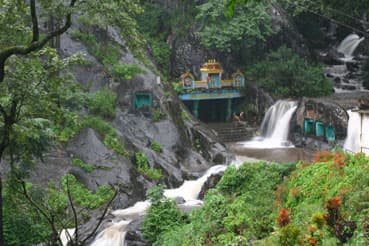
(275, 127)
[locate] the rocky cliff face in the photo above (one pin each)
(329, 113)
(178, 159)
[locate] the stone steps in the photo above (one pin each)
(232, 132)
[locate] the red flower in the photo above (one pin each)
(283, 218)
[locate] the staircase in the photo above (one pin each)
(232, 132)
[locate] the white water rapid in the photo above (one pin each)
(275, 127)
(357, 139)
(114, 235)
(352, 142)
(348, 46)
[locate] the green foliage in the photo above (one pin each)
(85, 166)
(155, 146)
(102, 103)
(87, 38)
(162, 216)
(341, 11)
(25, 225)
(285, 74)
(110, 137)
(335, 178)
(249, 26)
(290, 235)
(144, 168)
(126, 71)
(158, 115)
(184, 116)
(238, 210)
(82, 196)
(108, 53)
(197, 144)
(33, 124)
(178, 87)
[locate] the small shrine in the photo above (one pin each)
(142, 100)
(212, 98)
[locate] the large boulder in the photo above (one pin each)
(329, 113)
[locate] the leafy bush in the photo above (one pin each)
(330, 194)
(126, 71)
(102, 103)
(238, 210)
(26, 225)
(155, 146)
(184, 116)
(178, 87)
(158, 115)
(110, 137)
(85, 166)
(250, 25)
(144, 168)
(162, 216)
(88, 38)
(284, 74)
(69, 126)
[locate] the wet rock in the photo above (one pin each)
(179, 200)
(364, 102)
(134, 236)
(210, 183)
(325, 111)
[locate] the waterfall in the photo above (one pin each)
(348, 46)
(275, 126)
(114, 235)
(365, 134)
(357, 139)
(276, 121)
(352, 142)
(190, 189)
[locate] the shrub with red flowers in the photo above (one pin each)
(333, 208)
(339, 159)
(342, 229)
(283, 218)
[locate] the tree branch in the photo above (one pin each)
(101, 219)
(35, 30)
(37, 44)
(74, 213)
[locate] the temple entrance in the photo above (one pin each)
(213, 110)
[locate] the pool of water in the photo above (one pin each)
(286, 155)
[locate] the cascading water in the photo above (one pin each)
(352, 142)
(349, 45)
(114, 235)
(345, 79)
(275, 126)
(357, 139)
(365, 134)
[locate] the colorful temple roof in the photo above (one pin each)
(211, 66)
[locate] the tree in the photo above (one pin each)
(284, 74)
(21, 72)
(33, 102)
(249, 25)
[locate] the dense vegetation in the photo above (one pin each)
(42, 107)
(322, 203)
(284, 74)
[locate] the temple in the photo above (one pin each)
(213, 99)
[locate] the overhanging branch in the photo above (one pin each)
(36, 44)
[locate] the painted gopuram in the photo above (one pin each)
(212, 98)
